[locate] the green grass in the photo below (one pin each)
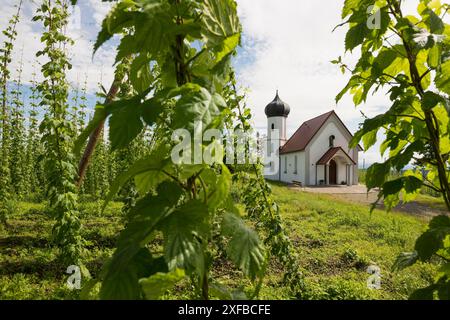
(336, 242)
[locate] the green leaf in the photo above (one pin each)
(376, 175)
(151, 109)
(122, 280)
(116, 21)
(125, 125)
(220, 24)
(423, 294)
(430, 100)
(198, 107)
(140, 73)
(385, 58)
(157, 285)
(131, 261)
(443, 77)
(354, 81)
(227, 47)
(218, 186)
(369, 139)
(432, 240)
(355, 36)
(153, 164)
(181, 231)
(244, 247)
(433, 21)
(349, 7)
(434, 56)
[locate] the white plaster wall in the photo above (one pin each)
(271, 160)
(320, 144)
(280, 124)
(320, 174)
(341, 171)
(273, 145)
(288, 173)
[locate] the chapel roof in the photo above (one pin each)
(303, 136)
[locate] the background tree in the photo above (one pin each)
(410, 56)
(18, 137)
(34, 150)
(5, 60)
(58, 131)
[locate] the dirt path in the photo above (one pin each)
(358, 194)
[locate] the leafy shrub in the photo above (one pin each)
(350, 255)
(7, 210)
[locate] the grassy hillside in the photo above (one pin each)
(336, 242)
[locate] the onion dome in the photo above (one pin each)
(277, 108)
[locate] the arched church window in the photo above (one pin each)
(332, 141)
(273, 126)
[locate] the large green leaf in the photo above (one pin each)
(158, 284)
(355, 36)
(125, 125)
(102, 112)
(376, 175)
(244, 247)
(424, 293)
(385, 58)
(182, 230)
(198, 108)
(130, 261)
(431, 99)
(433, 21)
(218, 186)
(220, 25)
(432, 240)
(122, 283)
(140, 73)
(434, 57)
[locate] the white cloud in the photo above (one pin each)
(292, 44)
(97, 69)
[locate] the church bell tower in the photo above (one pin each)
(277, 112)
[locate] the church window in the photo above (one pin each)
(332, 141)
(285, 164)
(295, 165)
(273, 126)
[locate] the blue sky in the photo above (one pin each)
(287, 45)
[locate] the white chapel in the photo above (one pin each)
(318, 153)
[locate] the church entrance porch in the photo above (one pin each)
(337, 168)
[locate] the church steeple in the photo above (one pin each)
(277, 108)
(277, 112)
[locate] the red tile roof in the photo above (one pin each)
(330, 154)
(303, 136)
